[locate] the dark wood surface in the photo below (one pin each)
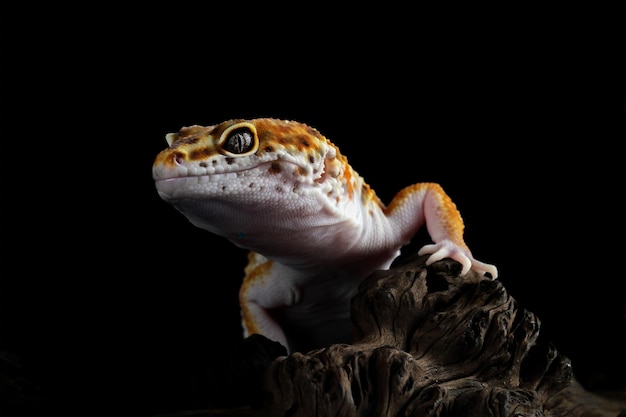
(431, 342)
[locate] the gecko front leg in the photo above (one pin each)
(300, 310)
(428, 203)
(263, 290)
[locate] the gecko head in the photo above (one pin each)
(237, 156)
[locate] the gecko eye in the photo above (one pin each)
(239, 140)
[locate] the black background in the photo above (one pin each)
(115, 305)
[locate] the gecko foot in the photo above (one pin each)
(449, 249)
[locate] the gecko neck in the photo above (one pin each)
(330, 236)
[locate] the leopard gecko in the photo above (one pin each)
(313, 228)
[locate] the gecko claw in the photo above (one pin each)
(448, 249)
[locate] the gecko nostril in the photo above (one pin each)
(179, 158)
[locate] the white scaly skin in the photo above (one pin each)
(313, 227)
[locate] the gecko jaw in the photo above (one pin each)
(171, 185)
(162, 175)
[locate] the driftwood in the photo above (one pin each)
(427, 342)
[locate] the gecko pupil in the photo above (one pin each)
(239, 141)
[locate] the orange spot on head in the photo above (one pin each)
(200, 153)
(302, 142)
(294, 137)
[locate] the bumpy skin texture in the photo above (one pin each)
(313, 227)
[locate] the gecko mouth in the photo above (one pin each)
(273, 167)
(172, 186)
